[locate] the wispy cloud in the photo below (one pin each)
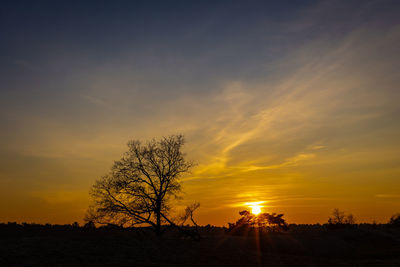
(97, 101)
(387, 195)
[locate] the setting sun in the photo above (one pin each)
(256, 210)
(255, 206)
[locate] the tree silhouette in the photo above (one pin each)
(188, 214)
(140, 185)
(272, 221)
(339, 219)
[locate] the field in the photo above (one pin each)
(302, 245)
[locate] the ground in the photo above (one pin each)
(303, 245)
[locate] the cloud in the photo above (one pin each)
(388, 196)
(97, 101)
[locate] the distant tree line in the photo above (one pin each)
(270, 222)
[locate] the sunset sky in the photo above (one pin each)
(292, 104)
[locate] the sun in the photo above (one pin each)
(256, 210)
(255, 206)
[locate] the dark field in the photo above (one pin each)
(302, 245)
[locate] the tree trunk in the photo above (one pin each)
(158, 218)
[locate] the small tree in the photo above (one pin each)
(339, 219)
(272, 221)
(140, 185)
(188, 214)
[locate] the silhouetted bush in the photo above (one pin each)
(395, 220)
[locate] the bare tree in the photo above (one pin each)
(188, 214)
(340, 219)
(140, 185)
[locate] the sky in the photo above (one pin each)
(292, 104)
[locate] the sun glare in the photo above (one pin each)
(255, 206)
(256, 210)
